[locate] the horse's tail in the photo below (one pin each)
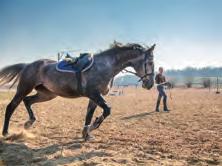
(11, 73)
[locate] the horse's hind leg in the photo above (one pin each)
(9, 111)
(90, 111)
(22, 91)
(42, 95)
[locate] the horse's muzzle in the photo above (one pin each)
(148, 84)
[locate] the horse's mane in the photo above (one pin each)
(117, 46)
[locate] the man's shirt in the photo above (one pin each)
(160, 78)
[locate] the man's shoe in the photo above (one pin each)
(166, 110)
(157, 110)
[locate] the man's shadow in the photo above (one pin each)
(137, 116)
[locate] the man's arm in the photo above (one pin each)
(157, 79)
(164, 79)
(166, 83)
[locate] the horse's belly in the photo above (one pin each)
(62, 84)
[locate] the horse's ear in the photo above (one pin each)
(152, 47)
(135, 47)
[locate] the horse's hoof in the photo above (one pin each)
(89, 138)
(28, 124)
(5, 133)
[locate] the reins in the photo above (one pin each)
(169, 89)
(145, 75)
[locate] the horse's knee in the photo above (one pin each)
(107, 112)
(26, 101)
(10, 108)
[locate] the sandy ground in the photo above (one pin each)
(191, 134)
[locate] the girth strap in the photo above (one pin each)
(79, 82)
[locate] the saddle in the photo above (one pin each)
(75, 64)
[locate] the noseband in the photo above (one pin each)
(145, 71)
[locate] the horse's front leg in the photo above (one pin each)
(90, 111)
(98, 99)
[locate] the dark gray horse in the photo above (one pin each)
(42, 76)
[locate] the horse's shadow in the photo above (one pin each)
(137, 116)
(20, 154)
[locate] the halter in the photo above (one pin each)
(146, 74)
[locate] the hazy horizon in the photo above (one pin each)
(187, 33)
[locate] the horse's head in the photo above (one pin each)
(144, 67)
(138, 57)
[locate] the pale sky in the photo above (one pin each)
(187, 32)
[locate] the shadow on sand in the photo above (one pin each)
(13, 153)
(136, 116)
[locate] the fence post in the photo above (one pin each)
(217, 92)
(58, 56)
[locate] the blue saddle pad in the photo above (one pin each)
(65, 66)
(82, 63)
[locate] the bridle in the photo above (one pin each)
(145, 71)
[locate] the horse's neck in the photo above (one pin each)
(115, 63)
(123, 61)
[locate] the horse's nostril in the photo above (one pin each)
(143, 85)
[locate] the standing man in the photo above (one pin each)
(161, 82)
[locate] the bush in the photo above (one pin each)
(206, 83)
(188, 82)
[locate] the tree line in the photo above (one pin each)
(195, 72)
(188, 77)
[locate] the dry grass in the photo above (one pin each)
(191, 134)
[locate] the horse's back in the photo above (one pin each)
(43, 62)
(61, 83)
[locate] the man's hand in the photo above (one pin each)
(168, 84)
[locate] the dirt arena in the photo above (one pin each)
(191, 134)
